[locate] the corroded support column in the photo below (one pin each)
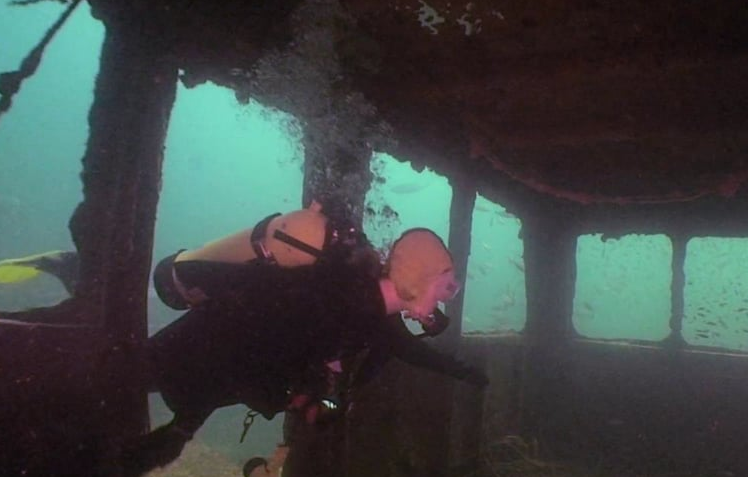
(460, 234)
(677, 299)
(463, 405)
(76, 386)
(113, 227)
(550, 276)
(550, 264)
(425, 400)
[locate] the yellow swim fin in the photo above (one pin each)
(10, 273)
(17, 270)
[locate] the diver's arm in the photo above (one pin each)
(371, 366)
(415, 351)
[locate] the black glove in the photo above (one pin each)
(252, 464)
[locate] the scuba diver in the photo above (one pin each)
(287, 316)
(271, 332)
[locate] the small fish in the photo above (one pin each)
(484, 269)
(517, 264)
(497, 318)
(408, 187)
(506, 215)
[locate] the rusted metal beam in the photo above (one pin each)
(113, 227)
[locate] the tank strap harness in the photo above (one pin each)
(294, 242)
(258, 234)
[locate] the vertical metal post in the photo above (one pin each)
(113, 226)
(677, 298)
(550, 264)
(460, 234)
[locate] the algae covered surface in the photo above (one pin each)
(199, 460)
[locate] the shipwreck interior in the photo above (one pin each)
(582, 118)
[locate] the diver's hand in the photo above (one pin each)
(317, 410)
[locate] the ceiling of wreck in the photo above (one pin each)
(581, 98)
(588, 100)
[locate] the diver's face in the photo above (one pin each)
(441, 289)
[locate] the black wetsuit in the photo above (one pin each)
(252, 345)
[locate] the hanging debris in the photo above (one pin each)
(10, 82)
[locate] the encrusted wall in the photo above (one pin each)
(626, 411)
